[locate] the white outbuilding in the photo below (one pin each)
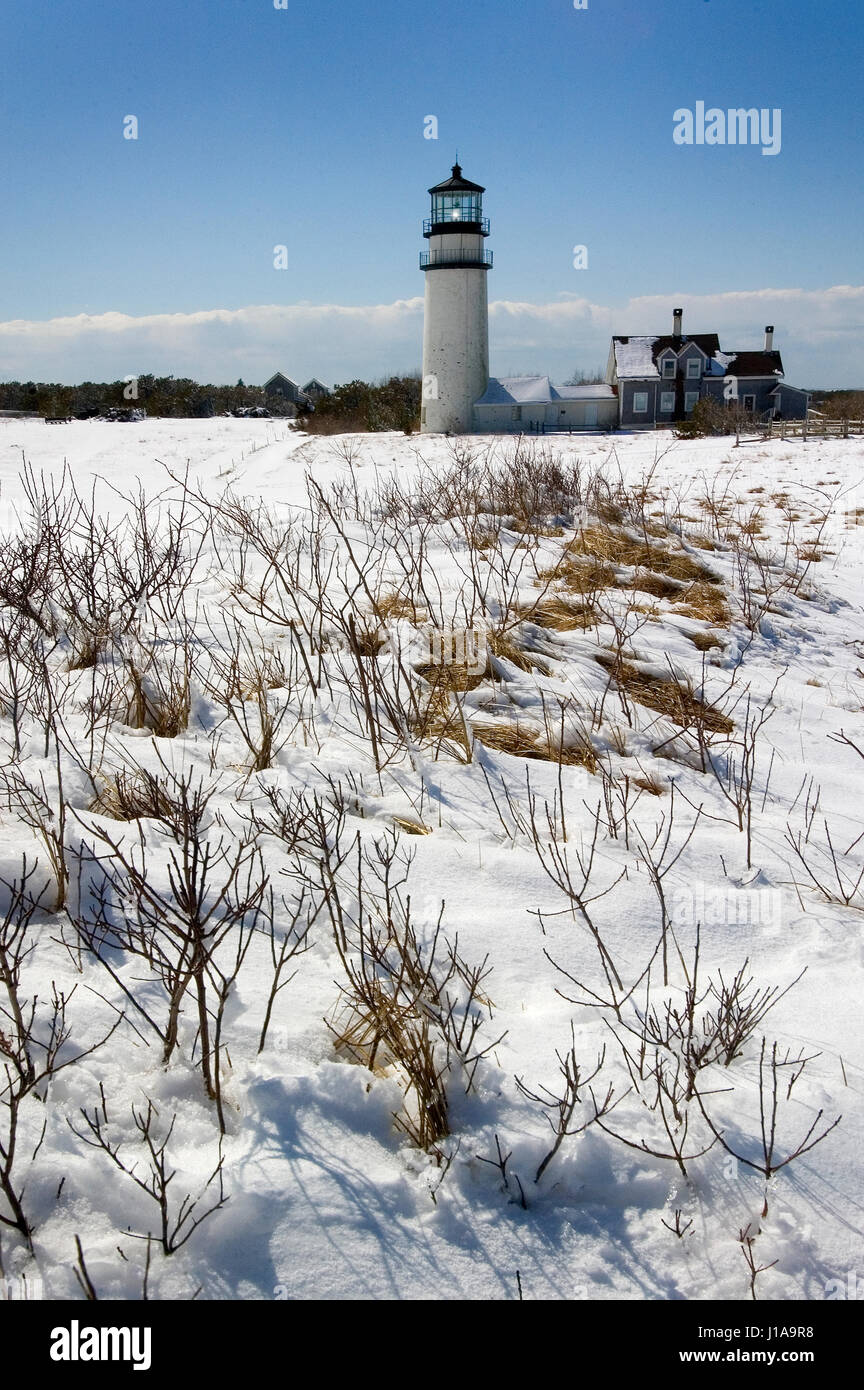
(532, 403)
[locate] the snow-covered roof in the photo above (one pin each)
(635, 357)
(508, 389)
(523, 390)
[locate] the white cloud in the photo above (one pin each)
(819, 332)
(331, 341)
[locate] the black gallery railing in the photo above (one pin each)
(430, 259)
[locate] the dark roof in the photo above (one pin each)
(756, 364)
(648, 349)
(456, 184)
(708, 342)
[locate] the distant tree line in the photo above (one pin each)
(361, 406)
(580, 377)
(839, 405)
(357, 406)
(158, 395)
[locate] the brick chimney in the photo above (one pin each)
(769, 337)
(677, 321)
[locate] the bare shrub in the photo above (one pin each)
(776, 1072)
(192, 924)
(34, 1038)
(45, 813)
(414, 1006)
(177, 1220)
(561, 1105)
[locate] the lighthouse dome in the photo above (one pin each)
(457, 200)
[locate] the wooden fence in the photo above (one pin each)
(815, 425)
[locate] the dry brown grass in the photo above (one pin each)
(368, 637)
(702, 542)
(704, 641)
(617, 547)
(582, 574)
(650, 783)
(618, 739)
(505, 645)
(392, 605)
(88, 652)
(679, 565)
(126, 796)
(677, 700)
(559, 614)
(411, 827)
(440, 720)
(706, 602)
(645, 582)
(531, 532)
(524, 742)
(530, 535)
(166, 713)
(609, 511)
(454, 676)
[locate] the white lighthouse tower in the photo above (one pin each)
(455, 319)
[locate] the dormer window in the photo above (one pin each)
(694, 369)
(668, 367)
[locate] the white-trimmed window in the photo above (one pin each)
(690, 399)
(667, 402)
(668, 367)
(749, 402)
(694, 368)
(640, 402)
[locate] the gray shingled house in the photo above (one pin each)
(660, 379)
(281, 386)
(315, 389)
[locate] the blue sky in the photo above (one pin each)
(304, 127)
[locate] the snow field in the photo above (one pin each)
(326, 1194)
